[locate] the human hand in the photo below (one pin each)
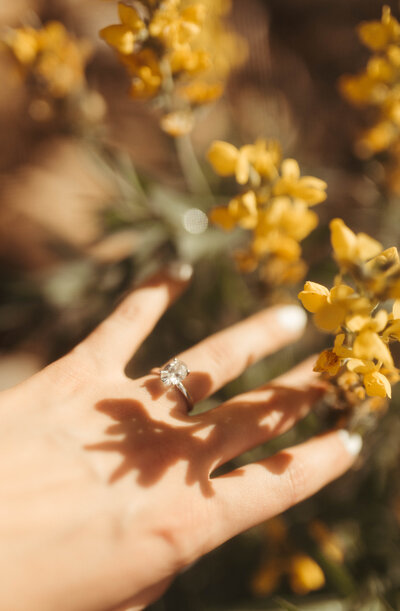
(105, 481)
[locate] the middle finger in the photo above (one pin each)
(222, 357)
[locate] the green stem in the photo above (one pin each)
(195, 179)
(191, 170)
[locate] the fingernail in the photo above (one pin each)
(180, 271)
(351, 441)
(292, 318)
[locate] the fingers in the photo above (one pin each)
(257, 416)
(117, 338)
(146, 596)
(258, 491)
(222, 357)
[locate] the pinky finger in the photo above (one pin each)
(259, 491)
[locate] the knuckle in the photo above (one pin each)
(129, 309)
(296, 479)
(185, 536)
(72, 371)
(219, 353)
(173, 534)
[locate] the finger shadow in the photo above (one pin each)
(151, 447)
(277, 465)
(267, 419)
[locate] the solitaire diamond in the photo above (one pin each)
(174, 373)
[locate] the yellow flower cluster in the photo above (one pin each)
(379, 84)
(284, 559)
(176, 51)
(53, 57)
(274, 206)
(360, 360)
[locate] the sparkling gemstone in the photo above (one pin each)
(174, 372)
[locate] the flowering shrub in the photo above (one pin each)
(283, 558)
(172, 58)
(360, 361)
(378, 85)
(52, 62)
(51, 56)
(274, 206)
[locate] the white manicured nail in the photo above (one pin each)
(292, 318)
(178, 270)
(351, 441)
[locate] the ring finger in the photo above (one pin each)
(255, 417)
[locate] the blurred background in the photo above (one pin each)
(93, 197)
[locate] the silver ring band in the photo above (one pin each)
(186, 394)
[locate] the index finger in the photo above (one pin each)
(113, 343)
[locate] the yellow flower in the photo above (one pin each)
(361, 322)
(278, 271)
(174, 27)
(242, 211)
(379, 137)
(339, 348)
(384, 261)
(227, 160)
(363, 329)
(330, 308)
(363, 89)
(307, 188)
(351, 247)
(328, 362)
(367, 344)
(122, 36)
(145, 70)
(328, 541)
(276, 209)
(393, 328)
(61, 60)
(220, 215)
(261, 157)
(382, 274)
(314, 296)
(380, 69)
(24, 43)
(264, 156)
(378, 84)
(166, 46)
(305, 574)
(177, 123)
(350, 382)
(200, 92)
(377, 35)
(376, 383)
(276, 242)
(190, 61)
(293, 218)
(52, 56)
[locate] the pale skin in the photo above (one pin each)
(105, 481)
